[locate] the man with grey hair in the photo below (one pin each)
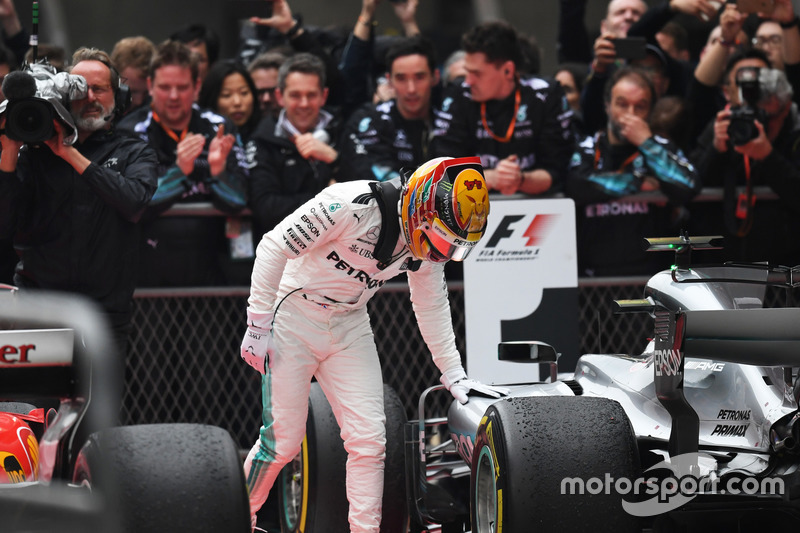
(453, 69)
(294, 156)
(753, 142)
(73, 209)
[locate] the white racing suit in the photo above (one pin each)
(316, 271)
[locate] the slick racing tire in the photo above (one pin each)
(167, 478)
(526, 447)
(311, 489)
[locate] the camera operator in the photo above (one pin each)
(753, 142)
(72, 210)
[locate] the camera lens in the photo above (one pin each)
(29, 120)
(742, 128)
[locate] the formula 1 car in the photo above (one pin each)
(67, 466)
(698, 433)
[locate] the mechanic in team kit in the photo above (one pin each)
(381, 140)
(626, 158)
(520, 126)
(198, 160)
(307, 314)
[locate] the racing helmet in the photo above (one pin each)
(19, 450)
(444, 206)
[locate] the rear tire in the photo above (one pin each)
(168, 477)
(311, 496)
(525, 447)
(311, 489)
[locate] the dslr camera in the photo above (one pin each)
(37, 95)
(742, 128)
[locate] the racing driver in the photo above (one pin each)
(307, 313)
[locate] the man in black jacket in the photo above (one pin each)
(380, 140)
(72, 210)
(521, 127)
(294, 157)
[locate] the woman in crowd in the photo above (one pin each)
(229, 90)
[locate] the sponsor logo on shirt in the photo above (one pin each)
(355, 273)
(310, 225)
(324, 212)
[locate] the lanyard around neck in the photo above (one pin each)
(624, 164)
(177, 138)
(746, 201)
(510, 132)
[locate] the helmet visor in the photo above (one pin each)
(450, 245)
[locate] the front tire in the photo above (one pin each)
(168, 477)
(526, 447)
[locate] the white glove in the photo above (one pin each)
(258, 347)
(456, 381)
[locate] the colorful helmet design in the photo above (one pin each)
(444, 207)
(19, 450)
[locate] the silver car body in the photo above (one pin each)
(737, 404)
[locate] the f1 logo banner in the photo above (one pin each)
(521, 283)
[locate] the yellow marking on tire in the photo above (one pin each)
(304, 448)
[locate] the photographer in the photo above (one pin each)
(752, 142)
(72, 209)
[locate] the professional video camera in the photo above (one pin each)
(742, 128)
(36, 95)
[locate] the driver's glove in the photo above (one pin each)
(258, 347)
(456, 381)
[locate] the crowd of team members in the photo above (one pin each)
(297, 109)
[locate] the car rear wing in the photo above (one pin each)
(58, 346)
(764, 337)
(683, 246)
(37, 363)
